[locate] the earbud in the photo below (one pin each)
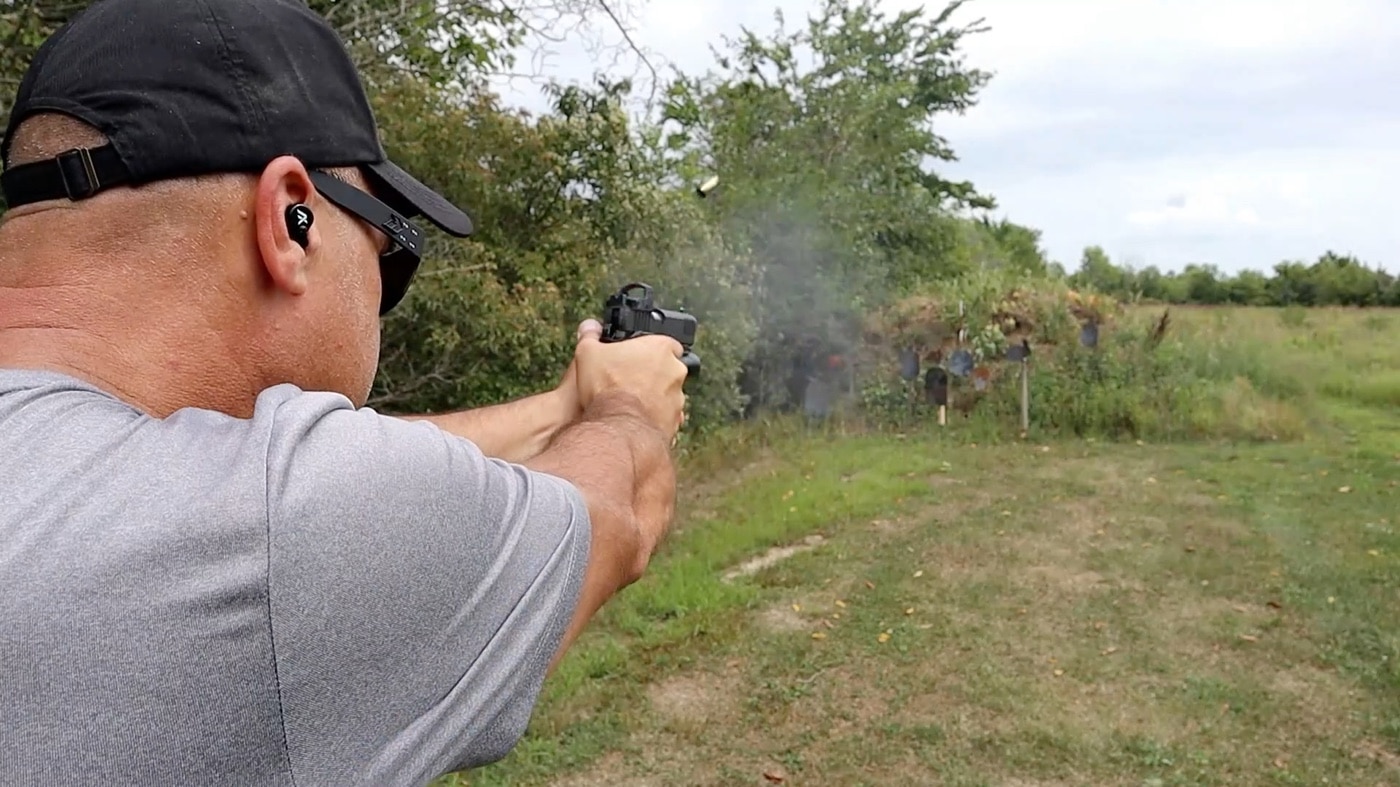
(299, 221)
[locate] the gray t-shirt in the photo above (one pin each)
(317, 595)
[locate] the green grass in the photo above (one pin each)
(983, 610)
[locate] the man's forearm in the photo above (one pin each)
(514, 431)
(623, 468)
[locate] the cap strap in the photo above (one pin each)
(74, 174)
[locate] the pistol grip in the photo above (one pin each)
(692, 362)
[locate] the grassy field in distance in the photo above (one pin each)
(965, 609)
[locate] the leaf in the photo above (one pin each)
(776, 777)
(818, 635)
(884, 637)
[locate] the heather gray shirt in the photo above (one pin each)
(317, 595)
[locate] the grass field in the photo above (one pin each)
(957, 607)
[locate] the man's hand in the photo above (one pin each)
(568, 392)
(647, 367)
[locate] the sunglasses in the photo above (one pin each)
(399, 263)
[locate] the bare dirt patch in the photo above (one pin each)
(1322, 703)
(945, 512)
(612, 770)
(685, 716)
(1065, 578)
(695, 698)
(660, 758)
(781, 619)
(1371, 750)
(772, 557)
(1075, 519)
(847, 698)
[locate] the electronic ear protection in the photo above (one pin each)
(299, 219)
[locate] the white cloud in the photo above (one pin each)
(1237, 132)
(1197, 210)
(1247, 211)
(1027, 34)
(999, 119)
(1225, 197)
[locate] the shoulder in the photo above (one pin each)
(324, 451)
(371, 481)
(419, 589)
(307, 430)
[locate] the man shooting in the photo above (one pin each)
(217, 566)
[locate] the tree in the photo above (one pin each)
(824, 143)
(568, 208)
(1097, 271)
(1019, 245)
(453, 44)
(1249, 288)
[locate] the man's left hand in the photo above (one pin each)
(568, 390)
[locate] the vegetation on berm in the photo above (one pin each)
(829, 221)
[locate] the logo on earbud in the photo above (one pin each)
(299, 221)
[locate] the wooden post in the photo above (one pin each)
(1025, 395)
(962, 337)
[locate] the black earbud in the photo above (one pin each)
(299, 221)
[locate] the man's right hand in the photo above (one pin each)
(648, 368)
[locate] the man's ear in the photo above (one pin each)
(283, 183)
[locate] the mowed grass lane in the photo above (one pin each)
(1029, 613)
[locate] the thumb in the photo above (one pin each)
(590, 330)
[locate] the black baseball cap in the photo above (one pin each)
(190, 87)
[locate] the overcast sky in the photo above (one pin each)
(1235, 132)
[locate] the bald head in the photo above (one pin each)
(194, 285)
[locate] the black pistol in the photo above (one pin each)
(631, 312)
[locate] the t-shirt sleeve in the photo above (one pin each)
(418, 591)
